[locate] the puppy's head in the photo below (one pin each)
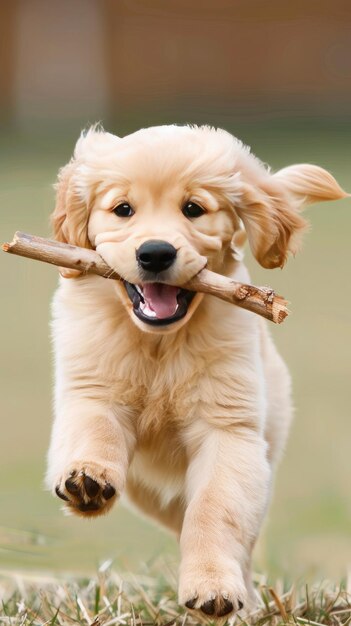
(162, 203)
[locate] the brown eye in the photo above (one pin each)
(123, 210)
(191, 209)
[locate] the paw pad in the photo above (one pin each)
(84, 494)
(215, 607)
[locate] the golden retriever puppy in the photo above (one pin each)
(177, 399)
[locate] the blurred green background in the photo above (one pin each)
(277, 75)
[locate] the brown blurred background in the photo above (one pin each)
(116, 59)
(276, 74)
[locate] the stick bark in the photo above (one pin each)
(260, 300)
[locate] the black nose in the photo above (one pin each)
(156, 256)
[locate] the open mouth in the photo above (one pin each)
(159, 304)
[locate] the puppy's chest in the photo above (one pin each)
(154, 405)
(158, 395)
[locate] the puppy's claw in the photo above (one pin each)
(71, 487)
(191, 603)
(60, 494)
(108, 491)
(226, 608)
(209, 607)
(92, 488)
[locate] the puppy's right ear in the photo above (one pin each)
(71, 214)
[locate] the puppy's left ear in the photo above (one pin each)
(270, 210)
(310, 183)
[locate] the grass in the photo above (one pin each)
(150, 599)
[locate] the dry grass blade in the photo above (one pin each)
(279, 604)
(151, 600)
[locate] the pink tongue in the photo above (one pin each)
(162, 299)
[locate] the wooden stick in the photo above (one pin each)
(260, 300)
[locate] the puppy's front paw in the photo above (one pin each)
(215, 592)
(87, 489)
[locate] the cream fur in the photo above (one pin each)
(190, 419)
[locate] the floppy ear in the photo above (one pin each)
(310, 183)
(70, 216)
(270, 210)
